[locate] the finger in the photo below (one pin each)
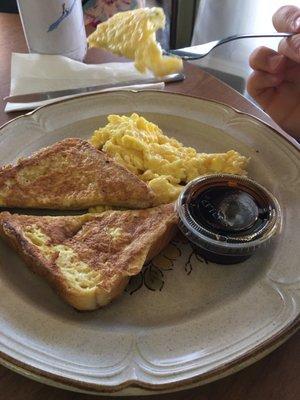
(259, 81)
(292, 73)
(290, 47)
(267, 60)
(287, 19)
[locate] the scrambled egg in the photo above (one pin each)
(132, 34)
(101, 208)
(163, 162)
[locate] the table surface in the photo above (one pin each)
(276, 377)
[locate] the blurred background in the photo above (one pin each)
(192, 22)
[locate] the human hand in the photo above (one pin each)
(275, 81)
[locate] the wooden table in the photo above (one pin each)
(276, 377)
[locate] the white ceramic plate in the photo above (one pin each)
(207, 320)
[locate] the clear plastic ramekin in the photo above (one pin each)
(227, 217)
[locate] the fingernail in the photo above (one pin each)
(274, 62)
(297, 25)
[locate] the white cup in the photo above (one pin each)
(54, 27)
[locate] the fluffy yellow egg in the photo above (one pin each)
(163, 162)
(132, 34)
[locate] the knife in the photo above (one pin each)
(41, 96)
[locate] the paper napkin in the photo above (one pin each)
(41, 73)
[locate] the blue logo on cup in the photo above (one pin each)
(64, 14)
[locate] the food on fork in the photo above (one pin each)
(160, 161)
(132, 34)
(88, 259)
(70, 175)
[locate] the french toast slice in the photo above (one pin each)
(70, 175)
(88, 259)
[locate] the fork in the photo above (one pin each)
(202, 50)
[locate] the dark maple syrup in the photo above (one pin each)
(227, 217)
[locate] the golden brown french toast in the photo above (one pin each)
(70, 175)
(89, 258)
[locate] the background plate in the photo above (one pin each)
(189, 324)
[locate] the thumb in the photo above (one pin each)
(290, 47)
(287, 19)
